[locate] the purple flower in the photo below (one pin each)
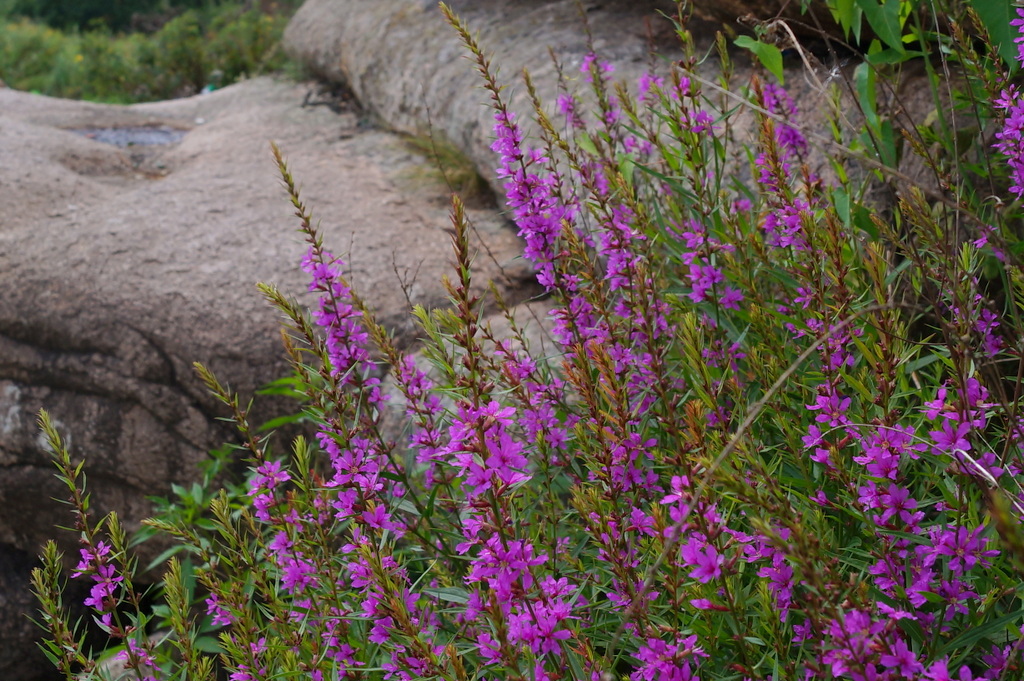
(703, 558)
(569, 108)
(831, 408)
(885, 447)
(347, 338)
(221, 615)
(951, 438)
(138, 658)
(1011, 137)
(939, 671)
(965, 548)
(780, 583)
(538, 626)
(646, 83)
(661, 661)
(91, 558)
(102, 596)
(488, 647)
(853, 638)
(896, 501)
(298, 574)
(783, 227)
(900, 657)
(271, 475)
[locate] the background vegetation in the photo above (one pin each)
(127, 51)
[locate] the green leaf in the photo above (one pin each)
(587, 144)
(164, 556)
(449, 593)
(996, 16)
(208, 644)
(974, 634)
(769, 55)
(908, 536)
(864, 81)
(407, 506)
(862, 221)
(841, 200)
(884, 18)
(888, 151)
(892, 56)
(289, 386)
(848, 16)
(577, 670)
(282, 421)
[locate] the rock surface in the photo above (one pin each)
(407, 65)
(17, 635)
(122, 266)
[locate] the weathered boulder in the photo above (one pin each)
(16, 601)
(408, 66)
(121, 267)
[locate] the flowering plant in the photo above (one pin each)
(780, 437)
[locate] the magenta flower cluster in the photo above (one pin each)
(1011, 104)
(743, 458)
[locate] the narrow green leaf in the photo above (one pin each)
(884, 18)
(164, 555)
(769, 55)
(864, 81)
(208, 644)
(281, 421)
(848, 16)
(450, 594)
(974, 634)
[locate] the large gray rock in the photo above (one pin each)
(408, 66)
(121, 267)
(16, 602)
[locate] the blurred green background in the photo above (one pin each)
(127, 51)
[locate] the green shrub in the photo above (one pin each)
(81, 14)
(176, 58)
(245, 44)
(214, 46)
(108, 69)
(29, 54)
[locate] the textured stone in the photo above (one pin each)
(405, 64)
(122, 267)
(17, 634)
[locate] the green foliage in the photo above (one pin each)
(177, 56)
(71, 14)
(29, 53)
(996, 15)
(245, 44)
(780, 437)
(770, 56)
(197, 48)
(897, 23)
(117, 15)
